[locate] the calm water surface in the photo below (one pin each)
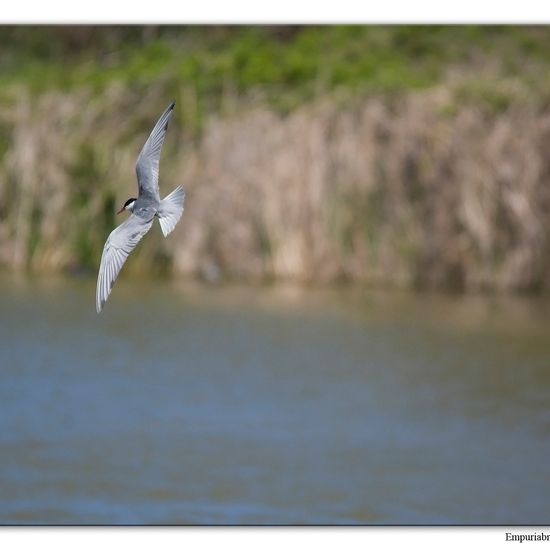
(208, 405)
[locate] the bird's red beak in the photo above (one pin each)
(121, 210)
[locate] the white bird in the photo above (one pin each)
(144, 209)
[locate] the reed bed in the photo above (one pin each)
(421, 189)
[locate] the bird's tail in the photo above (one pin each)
(171, 209)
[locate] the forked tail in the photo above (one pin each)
(171, 209)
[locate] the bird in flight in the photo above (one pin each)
(144, 209)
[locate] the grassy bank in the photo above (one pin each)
(280, 66)
(384, 155)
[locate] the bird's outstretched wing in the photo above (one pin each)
(147, 165)
(120, 243)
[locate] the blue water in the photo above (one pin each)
(234, 405)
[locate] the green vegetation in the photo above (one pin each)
(285, 66)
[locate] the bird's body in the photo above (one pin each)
(144, 208)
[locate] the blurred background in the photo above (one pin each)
(350, 322)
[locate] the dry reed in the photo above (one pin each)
(401, 192)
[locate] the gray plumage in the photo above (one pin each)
(124, 238)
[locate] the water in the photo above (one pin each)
(236, 405)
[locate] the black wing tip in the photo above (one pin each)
(172, 104)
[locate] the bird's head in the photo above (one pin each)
(128, 205)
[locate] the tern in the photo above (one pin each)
(144, 209)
